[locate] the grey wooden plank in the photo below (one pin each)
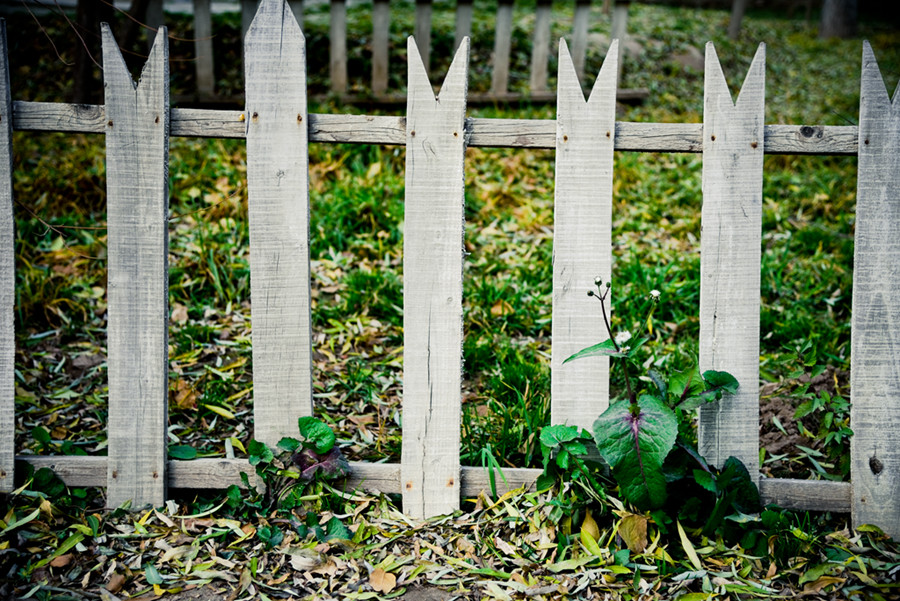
(203, 47)
(582, 239)
(463, 24)
(278, 205)
(422, 32)
(381, 25)
(338, 55)
(497, 133)
(432, 287)
(137, 188)
(580, 22)
(217, 473)
(875, 321)
(806, 495)
(7, 279)
(502, 47)
(730, 247)
(541, 47)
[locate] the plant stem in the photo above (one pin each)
(631, 396)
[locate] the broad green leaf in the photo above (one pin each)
(634, 347)
(554, 436)
(335, 529)
(182, 451)
(706, 480)
(258, 453)
(288, 444)
(635, 447)
(721, 380)
(316, 433)
(15, 524)
(686, 383)
(736, 477)
(604, 349)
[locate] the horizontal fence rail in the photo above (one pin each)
(435, 133)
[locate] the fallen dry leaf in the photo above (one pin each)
(633, 531)
(62, 561)
(116, 582)
(381, 581)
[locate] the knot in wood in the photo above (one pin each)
(876, 465)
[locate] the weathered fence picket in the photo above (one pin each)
(730, 245)
(436, 133)
(7, 280)
(137, 190)
(875, 338)
(278, 206)
(582, 237)
(432, 287)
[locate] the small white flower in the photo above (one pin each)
(654, 294)
(623, 337)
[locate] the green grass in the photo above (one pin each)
(356, 197)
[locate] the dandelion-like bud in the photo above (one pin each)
(598, 280)
(609, 284)
(654, 294)
(590, 293)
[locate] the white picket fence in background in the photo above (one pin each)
(733, 137)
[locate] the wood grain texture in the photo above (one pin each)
(582, 239)
(580, 22)
(541, 48)
(422, 32)
(463, 24)
(222, 473)
(875, 337)
(7, 279)
(203, 48)
(432, 287)
(381, 25)
(137, 190)
(502, 46)
(297, 9)
(805, 495)
(730, 246)
(337, 59)
(495, 133)
(278, 204)
(248, 11)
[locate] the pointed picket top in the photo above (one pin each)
(275, 13)
(872, 84)
(137, 197)
(455, 87)
(114, 66)
(568, 75)
(875, 314)
(278, 210)
(716, 87)
(582, 240)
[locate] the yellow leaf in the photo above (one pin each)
(237, 444)
(590, 525)
(633, 530)
(374, 169)
(381, 581)
(590, 543)
(501, 307)
(220, 410)
(158, 590)
(689, 548)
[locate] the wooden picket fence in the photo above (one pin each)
(379, 91)
(733, 138)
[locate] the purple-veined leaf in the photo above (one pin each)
(635, 446)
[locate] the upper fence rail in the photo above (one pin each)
(480, 132)
(436, 133)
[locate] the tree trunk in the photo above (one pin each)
(838, 19)
(86, 86)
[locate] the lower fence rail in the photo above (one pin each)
(800, 495)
